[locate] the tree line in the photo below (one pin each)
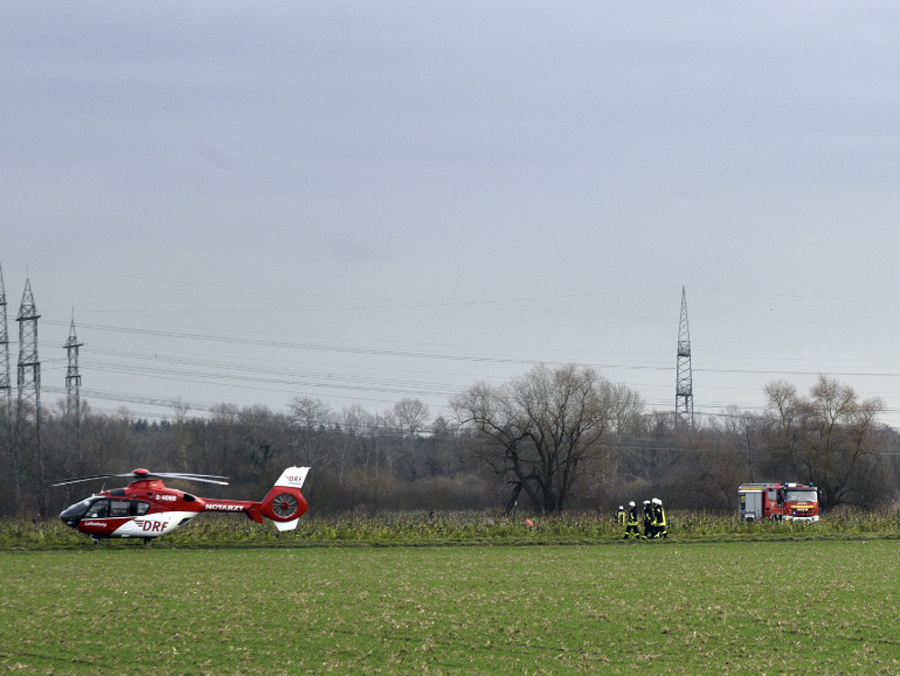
(551, 440)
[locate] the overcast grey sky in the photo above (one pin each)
(361, 202)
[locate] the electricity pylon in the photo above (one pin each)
(28, 412)
(7, 437)
(684, 388)
(73, 395)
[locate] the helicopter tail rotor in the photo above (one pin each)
(285, 504)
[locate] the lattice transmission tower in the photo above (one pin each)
(7, 438)
(28, 412)
(684, 388)
(5, 384)
(73, 395)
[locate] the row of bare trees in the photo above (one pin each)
(562, 435)
(551, 440)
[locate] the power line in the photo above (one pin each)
(275, 376)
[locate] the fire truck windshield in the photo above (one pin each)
(801, 495)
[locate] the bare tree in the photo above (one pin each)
(181, 409)
(257, 442)
(223, 437)
(361, 433)
(546, 429)
(410, 416)
(830, 438)
(311, 420)
(716, 465)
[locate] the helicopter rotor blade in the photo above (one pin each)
(139, 475)
(80, 479)
(204, 478)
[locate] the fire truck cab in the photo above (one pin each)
(788, 501)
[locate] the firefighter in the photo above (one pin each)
(660, 522)
(620, 515)
(648, 519)
(631, 527)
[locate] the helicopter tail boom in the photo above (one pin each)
(283, 505)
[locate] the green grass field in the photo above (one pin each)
(767, 607)
(456, 528)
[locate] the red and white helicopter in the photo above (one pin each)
(147, 508)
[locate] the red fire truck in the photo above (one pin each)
(788, 501)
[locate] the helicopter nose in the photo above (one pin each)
(72, 515)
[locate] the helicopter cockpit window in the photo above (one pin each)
(105, 508)
(98, 510)
(76, 511)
